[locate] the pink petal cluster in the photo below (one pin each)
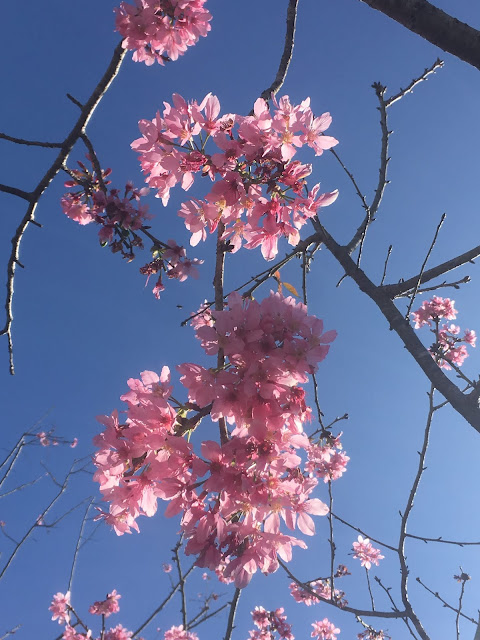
(324, 630)
(120, 218)
(233, 497)
(161, 30)
(326, 459)
(322, 588)
(449, 346)
(106, 607)
(366, 553)
(60, 607)
(269, 623)
(259, 196)
(118, 633)
(178, 633)
(434, 310)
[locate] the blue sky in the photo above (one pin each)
(84, 322)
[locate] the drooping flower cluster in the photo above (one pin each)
(324, 630)
(366, 552)
(261, 193)
(449, 347)
(233, 497)
(270, 623)
(121, 220)
(161, 30)
(119, 217)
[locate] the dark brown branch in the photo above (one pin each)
(31, 143)
(463, 404)
(29, 217)
(181, 580)
(384, 103)
(398, 290)
(440, 539)
(365, 535)
(434, 25)
(13, 191)
(231, 615)
(287, 52)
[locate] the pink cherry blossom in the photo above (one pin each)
(106, 607)
(324, 630)
(366, 553)
(60, 607)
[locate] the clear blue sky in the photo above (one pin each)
(84, 322)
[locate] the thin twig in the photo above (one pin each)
(78, 544)
(365, 535)
(415, 289)
(444, 602)
(163, 604)
(181, 580)
(440, 539)
(389, 253)
(31, 143)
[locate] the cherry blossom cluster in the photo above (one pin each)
(233, 496)
(322, 588)
(261, 193)
(449, 346)
(63, 611)
(324, 630)
(119, 215)
(121, 218)
(326, 459)
(371, 634)
(179, 633)
(161, 30)
(270, 623)
(366, 552)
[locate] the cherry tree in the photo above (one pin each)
(242, 448)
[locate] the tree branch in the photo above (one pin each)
(434, 25)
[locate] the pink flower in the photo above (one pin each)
(118, 633)
(178, 633)
(74, 443)
(324, 630)
(106, 607)
(366, 553)
(167, 568)
(60, 607)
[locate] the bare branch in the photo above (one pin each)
(357, 612)
(29, 217)
(31, 143)
(463, 404)
(398, 290)
(434, 25)
(440, 539)
(287, 52)
(364, 534)
(231, 615)
(429, 252)
(20, 193)
(438, 64)
(445, 603)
